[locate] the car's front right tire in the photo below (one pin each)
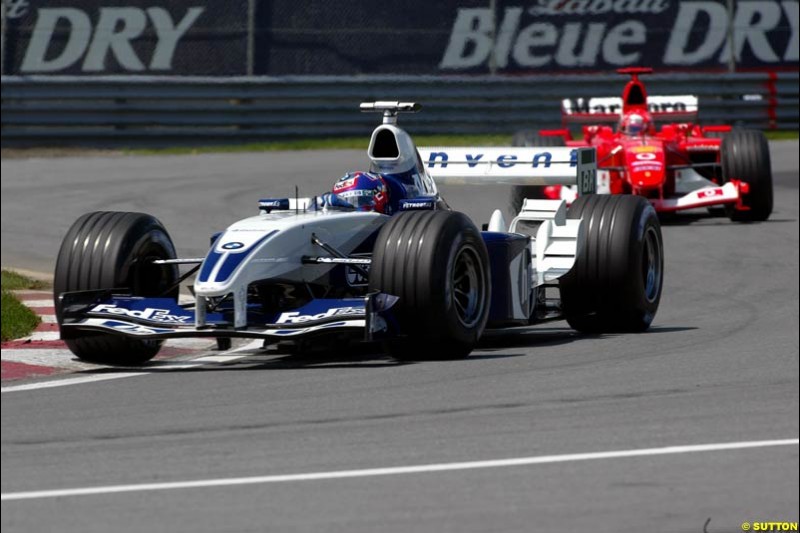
(114, 250)
(745, 157)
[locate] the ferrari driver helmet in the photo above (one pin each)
(364, 191)
(633, 124)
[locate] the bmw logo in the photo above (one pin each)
(232, 245)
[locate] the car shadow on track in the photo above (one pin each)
(523, 337)
(668, 329)
(371, 355)
(493, 345)
(355, 356)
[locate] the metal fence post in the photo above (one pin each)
(493, 37)
(251, 38)
(3, 38)
(731, 35)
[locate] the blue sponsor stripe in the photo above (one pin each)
(235, 259)
(208, 265)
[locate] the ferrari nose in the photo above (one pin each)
(648, 179)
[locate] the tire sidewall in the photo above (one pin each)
(131, 268)
(646, 221)
(454, 329)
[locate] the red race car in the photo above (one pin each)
(681, 165)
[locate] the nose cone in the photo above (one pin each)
(646, 166)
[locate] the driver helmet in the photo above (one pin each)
(364, 191)
(633, 124)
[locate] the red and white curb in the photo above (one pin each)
(44, 354)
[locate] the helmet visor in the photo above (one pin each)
(358, 198)
(635, 128)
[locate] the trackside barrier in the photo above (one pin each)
(129, 111)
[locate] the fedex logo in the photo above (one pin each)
(151, 314)
(297, 318)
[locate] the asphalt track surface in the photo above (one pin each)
(720, 365)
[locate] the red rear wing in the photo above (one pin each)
(678, 108)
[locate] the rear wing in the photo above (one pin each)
(678, 108)
(512, 165)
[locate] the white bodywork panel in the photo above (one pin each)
(406, 157)
(558, 241)
(497, 222)
(688, 180)
(271, 246)
(704, 197)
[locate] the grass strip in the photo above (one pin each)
(12, 281)
(16, 320)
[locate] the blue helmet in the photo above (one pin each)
(364, 191)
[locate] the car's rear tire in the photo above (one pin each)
(745, 156)
(436, 263)
(615, 285)
(108, 250)
(520, 192)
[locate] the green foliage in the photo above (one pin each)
(11, 281)
(17, 320)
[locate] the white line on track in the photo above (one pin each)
(39, 303)
(416, 469)
(56, 358)
(42, 336)
(230, 355)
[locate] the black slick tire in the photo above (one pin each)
(745, 156)
(109, 250)
(437, 264)
(616, 282)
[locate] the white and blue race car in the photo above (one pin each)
(423, 280)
